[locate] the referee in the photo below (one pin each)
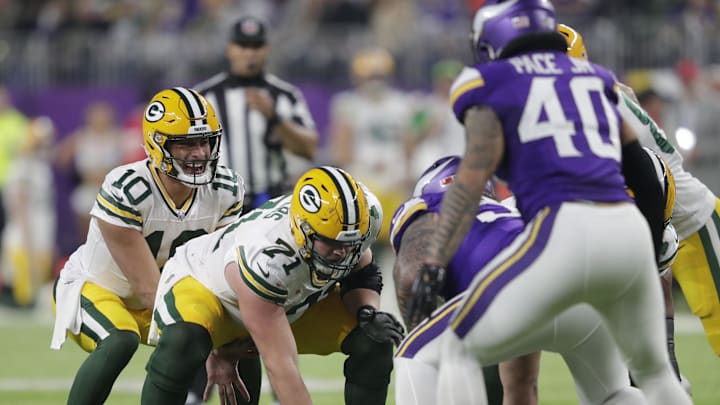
(263, 116)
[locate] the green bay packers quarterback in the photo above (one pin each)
(143, 212)
(294, 276)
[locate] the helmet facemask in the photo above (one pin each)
(329, 268)
(192, 172)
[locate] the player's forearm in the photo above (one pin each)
(413, 247)
(287, 384)
(145, 287)
(141, 271)
(297, 139)
(458, 209)
(483, 152)
(359, 297)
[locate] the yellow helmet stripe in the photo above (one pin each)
(349, 197)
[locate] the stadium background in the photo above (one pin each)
(58, 57)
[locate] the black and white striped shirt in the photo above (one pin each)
(246, 145)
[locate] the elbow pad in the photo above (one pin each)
(369, 277)
(641, 178)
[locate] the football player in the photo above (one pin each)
(296, 275)
(696, 214)
(548, 124)
(143, 212)
(494, 227)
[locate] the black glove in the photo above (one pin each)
(425, 291)
(379, 326)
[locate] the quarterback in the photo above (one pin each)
(295, 275)
(143, 212)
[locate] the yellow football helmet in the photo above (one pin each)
(181, 115)
(328, 205)
(372, 62)
(576, 47)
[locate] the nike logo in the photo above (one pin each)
(263, 271)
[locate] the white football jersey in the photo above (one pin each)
(262, 244)
(694, 201)
(132, 196)
(378, 126)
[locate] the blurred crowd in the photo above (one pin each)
(154, 43)
(384, 68)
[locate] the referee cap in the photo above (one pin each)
(249, 31)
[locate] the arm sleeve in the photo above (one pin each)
(369, 277)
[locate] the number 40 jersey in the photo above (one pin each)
(560, 121)
(133, 196)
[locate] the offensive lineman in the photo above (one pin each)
(144, 211)
(549, 125)
(258, 276)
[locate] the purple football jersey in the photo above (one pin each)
(495, 226)
(561, 127)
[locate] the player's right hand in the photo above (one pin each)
(223, 373)
(425, 291)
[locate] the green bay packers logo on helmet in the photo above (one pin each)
(181, 119)
(155, 111)
(310, 198)
(329, 206)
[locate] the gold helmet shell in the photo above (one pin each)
(576, 46)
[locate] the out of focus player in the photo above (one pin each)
(143, 212)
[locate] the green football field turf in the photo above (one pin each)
(32, 374)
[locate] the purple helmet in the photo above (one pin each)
(498, 22)
(438, 177)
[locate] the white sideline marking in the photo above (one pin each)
(134, 385)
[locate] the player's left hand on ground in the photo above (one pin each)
(379, 326)
(425, 291)
(223, 373)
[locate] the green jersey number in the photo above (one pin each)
(154, 240)
(284, 249)
(136, 189)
